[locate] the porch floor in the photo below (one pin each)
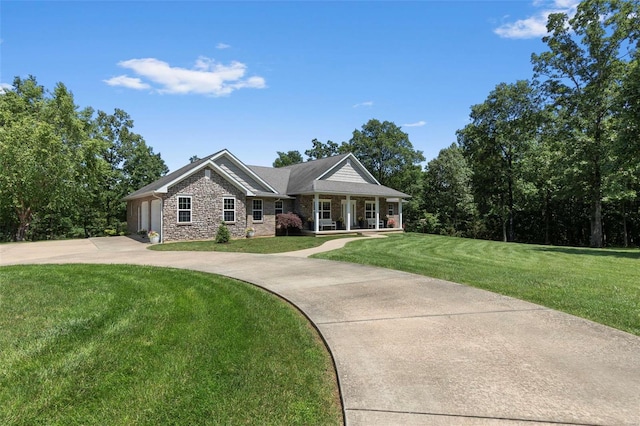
(353, 231)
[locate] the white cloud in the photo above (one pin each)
(207, 77)
(536, 25)
(4, 88)
(222, 46)
(416, 124)
(129, 82)
(367, 104)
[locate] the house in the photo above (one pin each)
(332, 195)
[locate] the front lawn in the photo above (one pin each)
(602, 285)
(126, 345)
(267, 245)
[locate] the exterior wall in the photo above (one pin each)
(266, 227)
(347, 173)
(133, 212)
(206, 208)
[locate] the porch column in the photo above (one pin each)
(377, 213)
(348, 210)
(316, 212)
(400, 212)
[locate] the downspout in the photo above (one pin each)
(161, 215)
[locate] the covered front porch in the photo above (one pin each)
(328, 214)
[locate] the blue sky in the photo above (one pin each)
(261, 77)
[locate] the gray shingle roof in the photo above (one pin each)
(154, 186)
(304, 174)
(278, 178)
(288, 181)
(348, 188)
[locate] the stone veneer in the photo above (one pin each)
(267, 227)
(206, 208)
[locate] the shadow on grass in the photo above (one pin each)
(621, 253)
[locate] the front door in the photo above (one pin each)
(354, 219)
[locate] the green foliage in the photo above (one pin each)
(427, 224)
(324, 150)
(287, 158)
(223, 235)
(557, 161)
(104, 344)
(597, 284)
(385, 150)
(581, 74)
(496, 143)
(448, 191)
(61, 168)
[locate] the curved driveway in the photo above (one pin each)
(413, 350)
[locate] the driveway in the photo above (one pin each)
(413, 350)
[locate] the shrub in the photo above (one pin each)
(288, 220)
(223, 235)
(427, 224)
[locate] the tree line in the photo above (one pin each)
(65, 170)
(553, 160)
(556, 159)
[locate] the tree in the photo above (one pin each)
(495, 143)
(323, 150)
(287, 158)
(624, 185)
(131, 164)
(581, 73)
(193, 158)
(288, 220)
(39, 139)
(62, 172)
(448, 191)
(385, 150)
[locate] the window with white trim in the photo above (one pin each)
(369, 210)
(391, 209)
(229, 209)
(184, 209)
(279, 206)
(324, 209)
(257, 210)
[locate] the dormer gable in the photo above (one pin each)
(349, 170)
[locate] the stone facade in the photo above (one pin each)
(206, 208)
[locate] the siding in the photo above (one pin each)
(238, 174)
(347, 173)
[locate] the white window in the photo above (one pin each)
(184, 209)
(324, 207)
(257, 210)
(391, 209)
(229, 209)
(279, 205)
(369, 210)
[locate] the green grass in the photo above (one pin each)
(126, 345)
(602, 285)
(251, 245)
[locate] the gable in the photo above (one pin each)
(346, 172)
(240, 175)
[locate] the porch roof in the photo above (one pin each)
(355, 189)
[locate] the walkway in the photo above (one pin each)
(413, 350)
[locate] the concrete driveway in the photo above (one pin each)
(413, 350)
